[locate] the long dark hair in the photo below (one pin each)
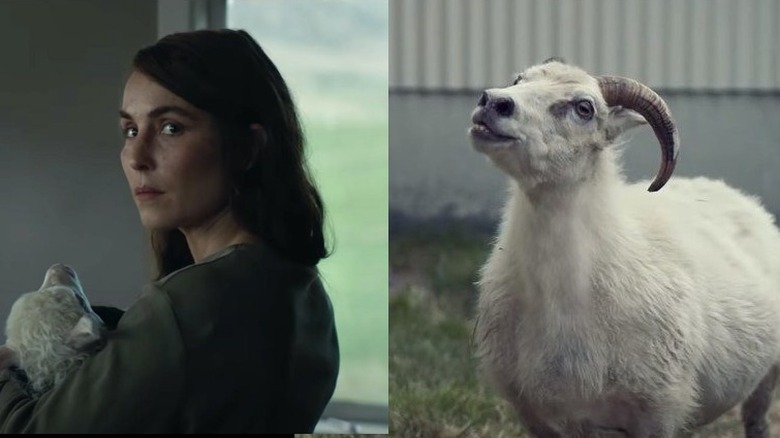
(226, 73)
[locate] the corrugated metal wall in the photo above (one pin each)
(695, 45)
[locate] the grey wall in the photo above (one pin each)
(434, 173)
(63, 196)
(711, 45)
(717, 62)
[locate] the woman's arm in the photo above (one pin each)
(134, 385)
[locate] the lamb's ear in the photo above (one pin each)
(7, 357)
(85, 335)
(620, 120)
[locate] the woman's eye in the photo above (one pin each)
(130, 132)
(584, 109)
(170, 129)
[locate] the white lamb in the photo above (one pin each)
(606, 308)
(52, 330)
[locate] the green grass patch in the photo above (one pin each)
(434, 387)
(446, 262)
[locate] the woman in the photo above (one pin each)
(236, 334)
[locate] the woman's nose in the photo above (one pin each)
(139, 165)
(138, 153)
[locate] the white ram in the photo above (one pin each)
(603, 306)
(50, 331)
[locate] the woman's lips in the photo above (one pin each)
(143, 193)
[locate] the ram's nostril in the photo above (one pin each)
(482, 99)
(504, 106)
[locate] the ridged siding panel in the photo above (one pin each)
(696, 45)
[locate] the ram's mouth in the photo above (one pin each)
(482, 131)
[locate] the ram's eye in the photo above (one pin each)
(584, 109)
(517, 79)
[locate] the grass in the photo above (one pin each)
(434, 387)
(349, 162)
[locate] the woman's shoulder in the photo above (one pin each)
(241, 282)
(255, 262)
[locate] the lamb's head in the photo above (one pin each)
(551, 125)
(50, 330)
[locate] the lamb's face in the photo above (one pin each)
(63, 275)
(51, 330)
(548, 126)
(58, 314)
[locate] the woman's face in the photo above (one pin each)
(170, 157)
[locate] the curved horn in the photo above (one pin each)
(631, 94)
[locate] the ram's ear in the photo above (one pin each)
(620, 120)
(7, 357)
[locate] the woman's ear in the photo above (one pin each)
(260, 138)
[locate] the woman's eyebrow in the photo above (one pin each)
(160, 110)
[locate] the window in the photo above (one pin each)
(333, 55)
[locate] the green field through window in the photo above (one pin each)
(333, 55)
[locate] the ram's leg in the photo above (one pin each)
(652, 425)
(756, 407)
(657, 415)
(586, 429)
(533, 422)
(625, 421)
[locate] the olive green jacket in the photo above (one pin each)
(243, 342)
